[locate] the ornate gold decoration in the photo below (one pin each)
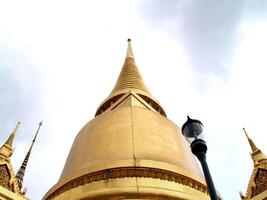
(129, 172)
(261, 182)
(8, 180)
(5, 177)
(258, 180)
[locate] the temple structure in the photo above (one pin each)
(257, 186)
(11, 184)
(130, 150)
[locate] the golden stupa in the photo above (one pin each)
(130, 150)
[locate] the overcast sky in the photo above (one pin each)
(60, 59)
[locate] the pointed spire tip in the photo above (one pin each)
(129, 53)
(12, 136)
(251, 143)
(246, 133)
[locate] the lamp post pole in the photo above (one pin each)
(192, 130)
(199, 149)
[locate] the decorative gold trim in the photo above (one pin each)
(5, 177)
(13, 181)
(129, 172)
(252, 184)
(260, 182)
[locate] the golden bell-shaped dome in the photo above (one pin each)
(130, 150)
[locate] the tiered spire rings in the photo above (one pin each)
(21, 172)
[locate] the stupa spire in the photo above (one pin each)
(130, 81)
(254, 148)
(21, 171)
(129, 53)
(12, 135)
(130, 77)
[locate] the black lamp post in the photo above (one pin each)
(192, 130)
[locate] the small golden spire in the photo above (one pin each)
(251, 143)
(129, 53)
(129, 78)
(21, 171)
(12, 136)
(6, 150)
(256, 155)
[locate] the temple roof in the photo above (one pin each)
(7, 179)
(257, 186)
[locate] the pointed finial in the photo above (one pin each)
(129, 53)
(130, 77)
(40, 124)
(12, 135)
(21, 172)
(251, 143)
(35, 136)
(130, 80)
